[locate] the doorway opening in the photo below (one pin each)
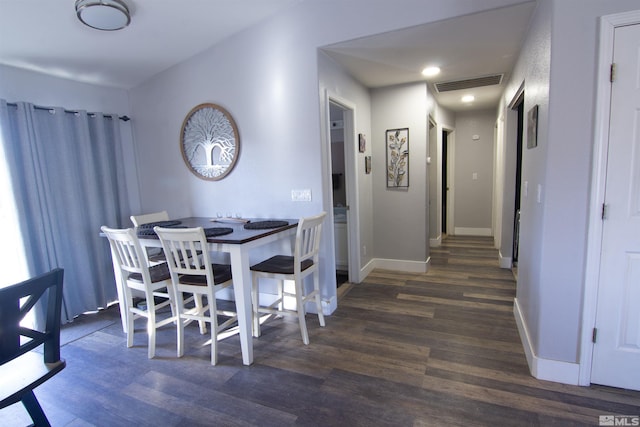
(339, 192)
(519, 107)
(445, 180)
(432, 186)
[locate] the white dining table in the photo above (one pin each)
(237, 244)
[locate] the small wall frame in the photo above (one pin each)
(397, 146)
(532, 127)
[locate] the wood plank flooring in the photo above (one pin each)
(402, 349)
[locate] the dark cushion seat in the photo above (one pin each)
(280, 264)
(221, 274)
(158, 273)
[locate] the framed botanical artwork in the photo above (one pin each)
(532, 127)
(362, 142)
(209, 142)
(397, 143)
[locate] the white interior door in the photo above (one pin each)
(616, 353)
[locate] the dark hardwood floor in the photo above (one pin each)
(402, 349)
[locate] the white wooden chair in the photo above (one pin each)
(154, 255)
(198, 277)
(153, 281)
(139, 220)
(284, 267)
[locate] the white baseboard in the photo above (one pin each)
(328, 306)
(505, 262)
(364, 271)
(468, 231)
(434, 243)
(544, 369)
(403, 265)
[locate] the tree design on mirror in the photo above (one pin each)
(209, 142)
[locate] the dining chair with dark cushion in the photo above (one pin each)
(296, 267)
(198, 277)
(153, 281)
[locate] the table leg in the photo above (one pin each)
(242, 294)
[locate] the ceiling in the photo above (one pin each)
(465, 47)
(46, 36)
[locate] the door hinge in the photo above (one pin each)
(605, 209)
(594, 335)
(612, 72)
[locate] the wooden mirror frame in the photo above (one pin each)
(207, 129)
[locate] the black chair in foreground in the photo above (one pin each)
(21, 369)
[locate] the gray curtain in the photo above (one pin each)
(67, 174)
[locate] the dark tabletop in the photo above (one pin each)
(240, 234)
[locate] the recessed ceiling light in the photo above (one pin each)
(431, 71)
(468, 98)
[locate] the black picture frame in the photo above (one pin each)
(532, 127)
(362, 143)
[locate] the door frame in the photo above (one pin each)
(351, 179)
(434, 164)
(608, 25)
(451, 164)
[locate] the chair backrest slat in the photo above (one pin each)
(181, 245)
(127, 251)
(308, 238)
(12, 313)
(138, 220)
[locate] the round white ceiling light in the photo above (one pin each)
(431, 71)
(106, 15)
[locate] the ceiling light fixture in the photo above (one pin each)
(106, 15)
(468, 98)
(431, 71)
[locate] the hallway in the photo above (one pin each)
(402, 349)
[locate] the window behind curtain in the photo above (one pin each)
(12, 265)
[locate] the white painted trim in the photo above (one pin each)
(403, 265)
(544, 369)
(366, 270)
(328, 306)
(351, 178)
(434, 243)
(470, 231)
(608, 25)
(451, 165)
(505, 262)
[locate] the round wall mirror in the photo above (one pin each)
(209, 142)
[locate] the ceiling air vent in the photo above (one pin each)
(495, 79)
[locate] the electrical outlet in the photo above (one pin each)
(301, 195)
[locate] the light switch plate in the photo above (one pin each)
(301, 195)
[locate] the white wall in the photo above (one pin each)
(400, 214)
(568, 170)
(333, 80)
(532, 68)
(558, 71)
(267, 78)
(473, 179)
